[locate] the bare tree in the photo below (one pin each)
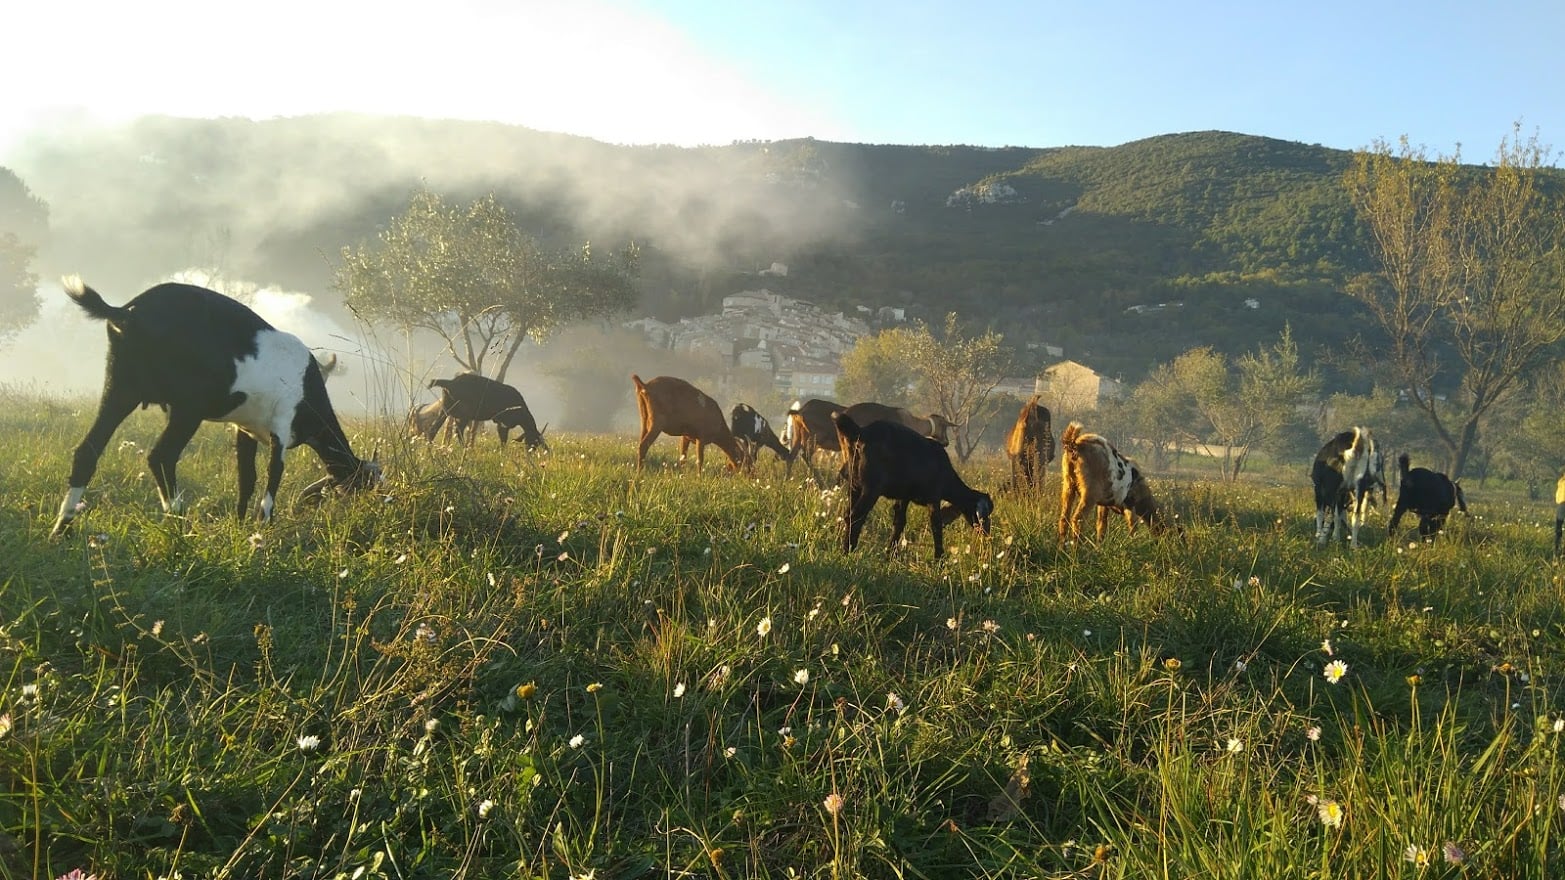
(1469, 294)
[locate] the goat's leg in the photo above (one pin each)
(111, 412)
(859, 506)
(898, 523)
(1068, 497)
(646, 441)
(937, 528)
(1396, 517)
(1130, 520)
(684, 447)
(1103, 521)
(504, 431)
(164, 457)
(245, 447)
(274, 479)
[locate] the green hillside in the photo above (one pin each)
(1076, 236)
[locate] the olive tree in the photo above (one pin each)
(24, 222)
(471, 276)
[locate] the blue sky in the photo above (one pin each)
(695, 71)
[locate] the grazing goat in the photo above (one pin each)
(424, 420)
(1559, 512)
(936, 425)
(809, 429)
(891, 460)
(1427, 493)
(1030, 444)
(205, 357)
(470, 399)
(1093, 472)
(673, 406)
(1345, 473)
(754, 433)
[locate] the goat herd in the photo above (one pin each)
(202, 356)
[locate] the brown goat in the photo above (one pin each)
(810, 428)
(675, 407)
(1030, 444)
(1093, 472)
(935, 425)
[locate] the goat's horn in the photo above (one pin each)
(314, 491)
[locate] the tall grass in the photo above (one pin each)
(504, 666)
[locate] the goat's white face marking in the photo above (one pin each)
(273, 382)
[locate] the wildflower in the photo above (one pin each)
(1255, 580)
(401, 558)
(1335, 670)
(1416, 855)
(833, 803)
(342, 575)
(1086, 633)
(157, 628)
(951, 623)
(578, 741)
(431, 726)
(29, 691)
(1172, 664)
(255, 540)
(1325, 645)
(1414, 680)
(309, 742)
(785, 567)
(76, 874)
(5, 724)
(1312, 733)
(764, 627)
(589, 874)
(679, 690)
(730, 752)
(1240, 666)
(1330, 813)
(484, 807)
(991, 627)
(562, 557)
(594, 687)
(563, 535)
(1454, 854)
(1235, 745)
(1559, 724)
(801, 677)
(425, 633)
(524, 691)
(894, 703)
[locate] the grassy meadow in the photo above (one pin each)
(513, 666)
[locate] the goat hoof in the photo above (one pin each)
(61, 527)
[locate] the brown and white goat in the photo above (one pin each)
(673, 406)
(810, 429)
(1030, 445)
(1345, 473)
(891, 460)
(1094, 473)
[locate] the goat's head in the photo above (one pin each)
(367, 474)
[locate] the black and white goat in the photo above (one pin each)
(1427, 493)
(755, 433)
(205, 357)
(890, 460)
(1346, 472)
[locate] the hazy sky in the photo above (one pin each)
(991, 72)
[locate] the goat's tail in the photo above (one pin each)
(1403, 462)
(1069, 437)
(91, 302)
(847, 429)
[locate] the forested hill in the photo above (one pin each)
(1051, 245)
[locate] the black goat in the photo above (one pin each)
(471, 399)
(205, 357)
(890, 460)
(754, 433)
(1427, 493)
(1345, 473)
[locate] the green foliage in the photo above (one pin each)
(474, 278)
(880, 368)
(24, 223)
(1467, 289)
